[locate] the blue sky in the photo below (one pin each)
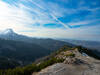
(74, 19)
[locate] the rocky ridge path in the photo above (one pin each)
(83, 65)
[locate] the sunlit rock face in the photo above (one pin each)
(78, 65)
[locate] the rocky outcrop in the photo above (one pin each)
(80, 64)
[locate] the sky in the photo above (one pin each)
(73, 19)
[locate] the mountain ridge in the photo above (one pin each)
(93, 45)
(44, 42)
(26, 49)
(79, 64)
(66, 60)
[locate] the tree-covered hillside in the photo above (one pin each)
(58, 56)
(22, 52)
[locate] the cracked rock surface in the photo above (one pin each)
(82, 65)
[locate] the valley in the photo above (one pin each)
(23, 55)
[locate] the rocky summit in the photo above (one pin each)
(75, 63)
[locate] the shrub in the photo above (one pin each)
(70, 54)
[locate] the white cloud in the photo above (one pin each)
(88, 33)
(65, 25)
(13, 17)
(21, 20)
(84, 22)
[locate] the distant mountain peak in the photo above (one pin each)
(8, 31)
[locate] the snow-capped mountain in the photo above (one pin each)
(7, 32)
(11, 35)
(47, 43)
